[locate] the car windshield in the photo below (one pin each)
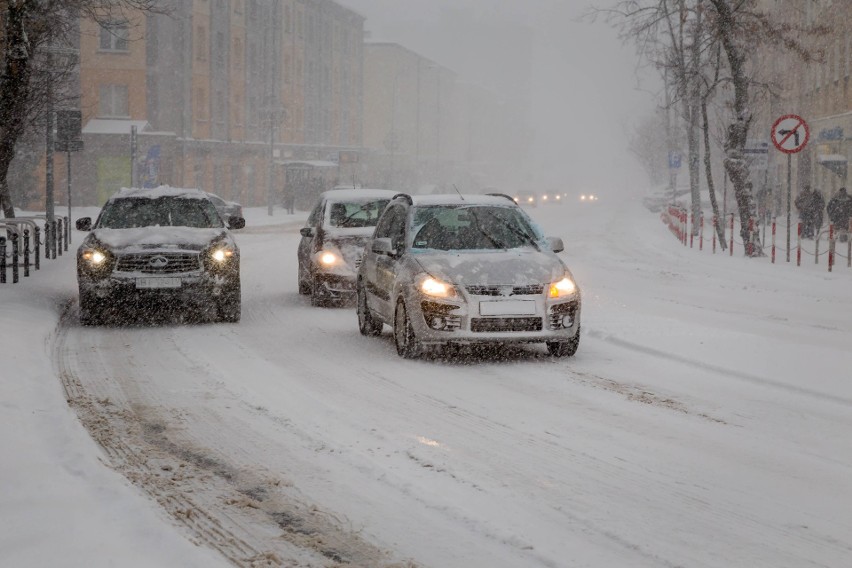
(128, 213)
(472, 227)
(350, 214)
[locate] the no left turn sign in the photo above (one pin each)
(790, 133)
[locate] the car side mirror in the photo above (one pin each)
(306, 231)
(84, 224)
(236, 222)
(383, 246)
(556, 244)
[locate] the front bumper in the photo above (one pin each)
(336, 286)
(463, 322)
(197, 287)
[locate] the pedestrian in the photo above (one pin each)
(803, 206)
(839, 212)
(289, 200)
(817, 209)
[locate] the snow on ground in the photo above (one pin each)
(703, 422)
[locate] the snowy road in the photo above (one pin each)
(703, 423)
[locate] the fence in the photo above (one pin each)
(22, 232)
(685, 228)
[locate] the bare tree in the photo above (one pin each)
(31, 29)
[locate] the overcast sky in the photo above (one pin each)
(585, 91)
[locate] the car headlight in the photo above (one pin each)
(94, 257)
(562, 288)
(328, 258)
(436, 288)
(222, 254)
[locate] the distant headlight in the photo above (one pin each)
(436, 288)
(94, 257)
(561, 288)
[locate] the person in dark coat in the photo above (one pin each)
(803, 206)
(839, 212)
(817, 209)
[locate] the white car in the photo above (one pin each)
(333, 240)
(453, 269)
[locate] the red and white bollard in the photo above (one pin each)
(799, 244)
(692, 229)
(773, 240)
(714, 234)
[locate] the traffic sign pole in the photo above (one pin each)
(789, 195)
(790, 134)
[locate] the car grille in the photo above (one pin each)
(530, 290)
(505, 324)
(152, 263)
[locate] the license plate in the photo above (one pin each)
(507, 308)
(158, 282)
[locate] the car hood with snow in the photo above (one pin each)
(518, 266)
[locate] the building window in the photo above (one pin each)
(201, 43)
(112, 102)
(114, 37)
(238, 53)
(220, 48)
(201, 112)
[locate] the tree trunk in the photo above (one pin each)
(708, 171)
(735, 138)
(14, 95)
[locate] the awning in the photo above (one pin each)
(115, 126)
(834, 162)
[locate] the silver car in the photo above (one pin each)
(453, 269)
(333, 241)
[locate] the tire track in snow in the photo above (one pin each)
(120, 409)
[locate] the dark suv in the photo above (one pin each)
(164, 243)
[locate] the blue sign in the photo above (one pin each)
(674, 160)
(835, 133)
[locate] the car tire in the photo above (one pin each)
(230, 304)
(90, 311)
(407, 345)
(304, 285)
(564, 348)
(317, 294)
(366, 324)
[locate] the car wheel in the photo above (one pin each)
(304, 285)
(90, 311)
(406, 342)
(564, 348)
(230, 304)
(366, 324)
(317, 294)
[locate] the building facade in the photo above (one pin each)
(815, 86)
(223, 94)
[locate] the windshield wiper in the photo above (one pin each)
(523, 234)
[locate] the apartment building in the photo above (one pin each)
(223, 94)
(816, 87)
(425, 129)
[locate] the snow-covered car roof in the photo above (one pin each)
(161, 191)
(464, 199)
(350, 194)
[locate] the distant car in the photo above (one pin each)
(472, 269)
(163, 243)
(226, 209)
(554, 198)
(333, 241)
(588, 197)
(525, 199)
